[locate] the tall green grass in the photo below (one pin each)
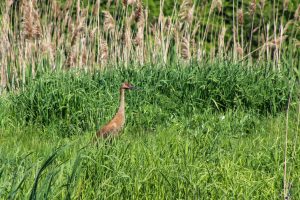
(78, 103)
(200, 132)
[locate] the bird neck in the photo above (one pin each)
(122, 101)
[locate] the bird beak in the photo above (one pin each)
(135, 88)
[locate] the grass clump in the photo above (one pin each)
(77, 103)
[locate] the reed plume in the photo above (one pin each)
(221, 43)
(239, 50)
(240, 16)
(128, 2)
(31, 24)
(103, 51)
(109, 22)
(216, 4)
(252, 7)
(186, 11)
(140, 20)
(96, 8)
(47, 47)
(185, 48)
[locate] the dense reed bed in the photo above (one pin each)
(92, 35)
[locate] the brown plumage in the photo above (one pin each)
(112, 128)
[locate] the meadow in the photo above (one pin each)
(217, 115)
(199, 132)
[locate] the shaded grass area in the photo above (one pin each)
(213, 132)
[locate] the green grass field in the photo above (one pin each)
(198, 132)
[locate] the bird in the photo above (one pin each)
(114, 126)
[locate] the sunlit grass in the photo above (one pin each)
(173, 162)
(192, 133)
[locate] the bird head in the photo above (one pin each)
(127, 86)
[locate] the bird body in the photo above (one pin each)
(113, 128)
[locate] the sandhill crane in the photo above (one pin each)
(112, 128)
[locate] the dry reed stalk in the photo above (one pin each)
(79, 29)
(109, 22)
(67, 6)
(4, 46)
(169, 35)
(108, 3)
(186, 11)
(240, 16)
(59, 41)
(139, 42)
(190, 15)
(84, 55)
(103, 51)
(168, 24)
(5, 31)
(200, 53)
(47, 48)
(252, 7)
(71, 59)
(139, 16)
(212, 53)
(56, 10)
(70, 25)
(262, 4)
(8, 4)
(241, 23)
(239, 50)
(31, 24)
(255, 29)
(3, 76)
(139, 38)
(96, 9)
(287, 25)
(196, 29)
(78, 11)
(74, 48)
(286, 4)
(297, 14)
(92, 34)
(221, 43)
(177, 36)
(234, 43)
(127, 40)
(66, 22)
(31, 32)
(276, 43)
(216, 4)
(156, 48)
(267, 47)
(185, 48)
(128, 2)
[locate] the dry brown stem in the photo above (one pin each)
(109, 22)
